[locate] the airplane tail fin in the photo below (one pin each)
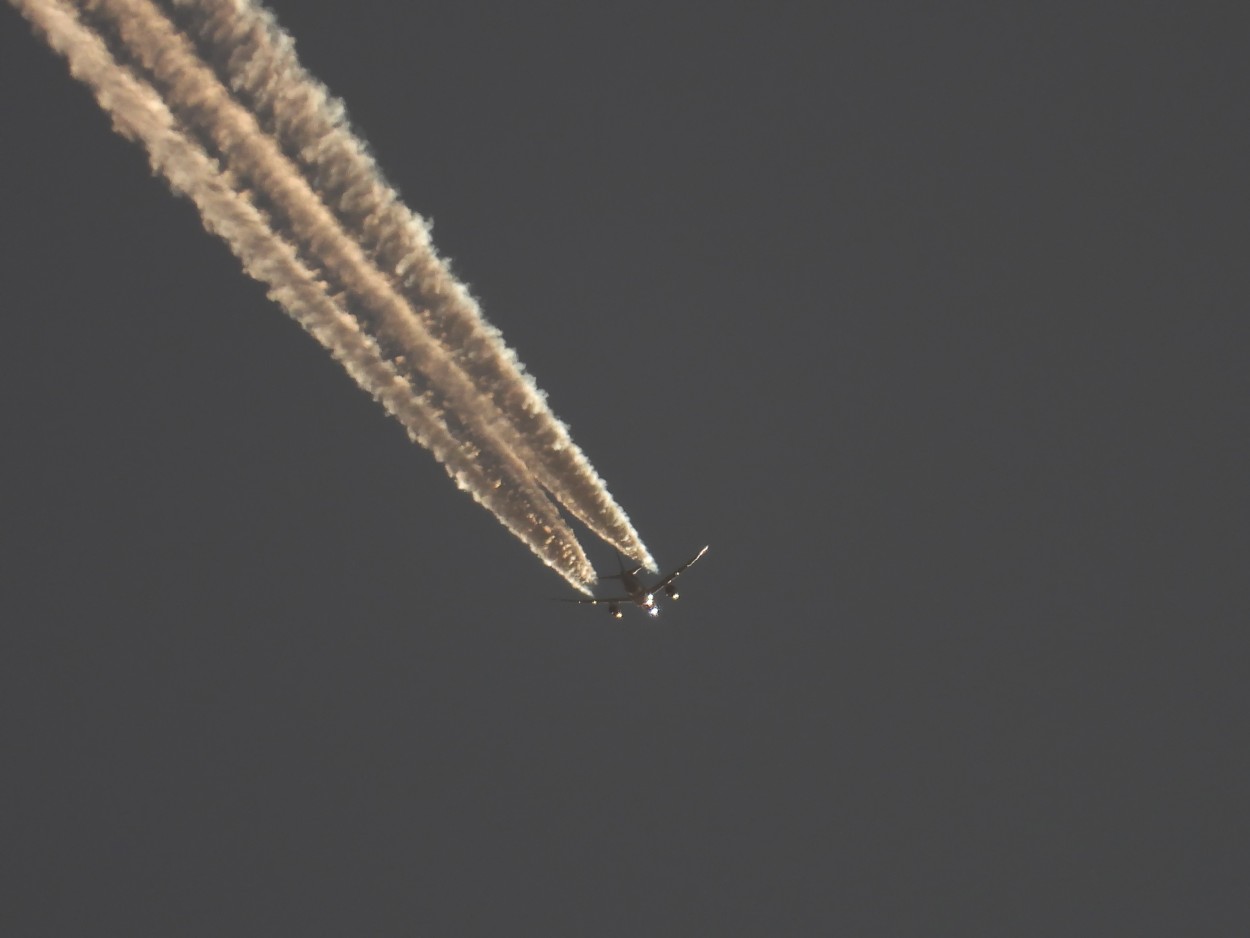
(620, 562)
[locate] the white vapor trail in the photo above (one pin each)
(139, 113)
(260, 65)
(336, 247)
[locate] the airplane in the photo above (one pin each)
(639, 594)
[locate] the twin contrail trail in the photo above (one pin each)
(266, 155)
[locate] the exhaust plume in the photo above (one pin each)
(447, 417)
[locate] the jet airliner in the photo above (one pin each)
(638, 592)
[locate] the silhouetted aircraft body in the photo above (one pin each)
(637, 591)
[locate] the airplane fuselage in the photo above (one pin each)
(638, 592)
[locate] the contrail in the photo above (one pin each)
(259, 63)
(196, 97)
(139, 113)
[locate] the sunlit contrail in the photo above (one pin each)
(196, 97)
(476, 409)
(139, 113)
(260, 65)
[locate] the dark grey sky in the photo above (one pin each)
(932, 322)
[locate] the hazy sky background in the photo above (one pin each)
(931, 322)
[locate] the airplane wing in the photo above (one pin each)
(678, 572)
(598, 600)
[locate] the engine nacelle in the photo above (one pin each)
(614, 610)
(671, 592)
